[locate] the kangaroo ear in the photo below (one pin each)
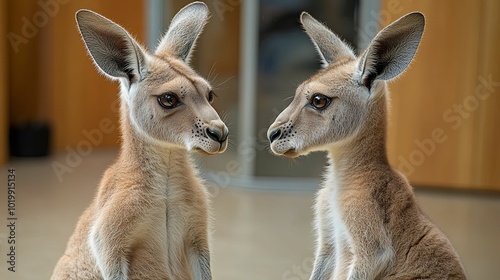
(330, 47)
(183, 31)
(113, 50)
(392, 50)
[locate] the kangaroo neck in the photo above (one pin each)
(365, 152)
(142, 153)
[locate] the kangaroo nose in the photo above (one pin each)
(274, 135)
(216, 134)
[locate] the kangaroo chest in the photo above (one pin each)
(167, 218)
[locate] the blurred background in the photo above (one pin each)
(444, 127)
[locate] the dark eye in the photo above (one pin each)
(169, 100)
(211, 97)
(320, 101)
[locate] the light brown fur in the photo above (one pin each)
(150, 216)
(368, 223)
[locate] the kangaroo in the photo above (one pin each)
(150, 217)
(367, 221)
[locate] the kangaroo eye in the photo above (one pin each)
(168, 100)
(211, 97)
(320, 101)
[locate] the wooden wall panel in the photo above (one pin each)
(486, 139)
(81, 97)
(3, 84)
(434, 97)
(23, 41)
(53, 78)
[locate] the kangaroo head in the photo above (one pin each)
(335, 104)
(165, 101)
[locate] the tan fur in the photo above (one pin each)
(150, 216)
(368, 223)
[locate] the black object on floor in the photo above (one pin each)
(29, 140)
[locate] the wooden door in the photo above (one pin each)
(445, 110)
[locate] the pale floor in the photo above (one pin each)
(258, 234)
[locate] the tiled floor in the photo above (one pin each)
(258, 234)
